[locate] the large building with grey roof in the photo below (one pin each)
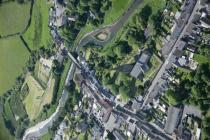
(141, 65)
(173, 117)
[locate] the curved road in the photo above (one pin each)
(112, 29)
(42, 128)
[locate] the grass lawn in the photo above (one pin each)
(38, 34)
(46, 137)
(63, 78)
(13, 57)
(4, 133)
(33, 100)
(155, 64)
(17, 106)
(82, 136)
(13, 17)
(37, 97)
(117, 9)
(9, 114)
(201, 59)
(184, 73)
(48, 94)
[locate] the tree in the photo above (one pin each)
(206, 132)
(106, 79)
(122, 49)
(124, 92)
(157, 23)
(113, 88)
(170, 95)
(144, 15)
(136, 36)
(20, 1)
(206, 121)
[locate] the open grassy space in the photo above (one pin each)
(117, 10)
(4, 133)
(48, 94)
(13, 57)
(46, 137)
(84, 136)
(155, 64)
(201, 59)
(156, 5)
(13, 17)
(9, 114)
(17, 108)
(33, 99)
(37, 97)
(184, 73)
(38, 34)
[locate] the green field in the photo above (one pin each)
(4, 133)
(116, 11)
(46, 137)
(33, 100)
(13, 17)
(38, 34)
(201, 59)
(37, 96)
(13, 57)
(155, 64)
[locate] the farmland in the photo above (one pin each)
(37, 96)
(13, 17)
(38, 34)
(13, 57)
(33, 100)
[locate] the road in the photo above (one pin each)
(112, 29)
(142, 124)
(42, 128)
(150, 95)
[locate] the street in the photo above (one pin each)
(150, 95)
(42, 127)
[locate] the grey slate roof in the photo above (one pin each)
(141, 65)
(172, 119)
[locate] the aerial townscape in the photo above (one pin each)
(104, 69)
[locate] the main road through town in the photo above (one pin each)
(150, 95)
(42, 128)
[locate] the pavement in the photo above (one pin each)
(42, 128)
(168, 61)
(142, 124)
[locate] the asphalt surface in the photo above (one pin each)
(150, 94)
(142, 124)
(42, 128)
